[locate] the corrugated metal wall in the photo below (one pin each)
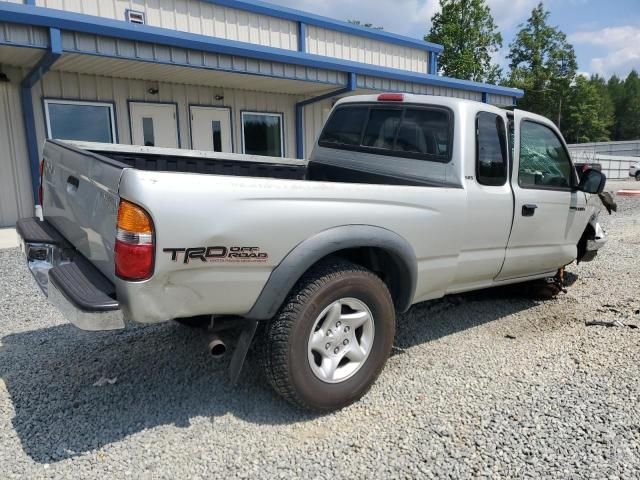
(93, 44)
(73, 86)
(330, 43)
(194, 17)
(382, 84)
(15, 177)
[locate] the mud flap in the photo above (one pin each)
(242, 348)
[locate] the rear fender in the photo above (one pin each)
(309, 252)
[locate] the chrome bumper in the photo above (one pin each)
(41, 258)
(90, 321)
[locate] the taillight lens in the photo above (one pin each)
(40, 189)
(134, 250)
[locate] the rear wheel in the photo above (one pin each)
(332, 337)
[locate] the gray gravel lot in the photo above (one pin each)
(480, 385)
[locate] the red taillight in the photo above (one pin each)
(134, 250)
(40, 189)
(391, 97)
(133, 262)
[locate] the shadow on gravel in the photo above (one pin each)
(164, 376)
(429, 321)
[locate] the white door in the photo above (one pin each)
(154, 124)
(550, 215)
(211, 129)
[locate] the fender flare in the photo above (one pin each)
(310, 251)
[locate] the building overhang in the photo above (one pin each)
(120, 30)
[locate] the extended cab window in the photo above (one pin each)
(405, 131)
(544, 162)
(491, 151)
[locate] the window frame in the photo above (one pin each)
(504, 148)
(63, 101)
(572, 169)
(263, 114)
(391, 152)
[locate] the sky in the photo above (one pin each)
(604, 33)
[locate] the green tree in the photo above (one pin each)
(589, 113)
(630, 111)
(543, 64)
(469, 35)
(615, 87)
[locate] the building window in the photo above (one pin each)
(134, 16)
(262, 134)
(85, 121)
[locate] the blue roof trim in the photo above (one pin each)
(264, 8)
(46, 17)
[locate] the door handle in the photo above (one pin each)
(72, 184)
(528, 210)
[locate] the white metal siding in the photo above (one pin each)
(98, 45)
(500, 100)
(15, 177)
(75, 86)
(382, 84)
(330, 43)
(193, 16)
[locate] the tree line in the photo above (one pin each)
(542, 63)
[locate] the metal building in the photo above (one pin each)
(225, 75)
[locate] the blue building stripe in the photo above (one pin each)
(264, 8)
(62, 20)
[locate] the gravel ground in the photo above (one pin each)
(480, 385)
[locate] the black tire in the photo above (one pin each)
(638, 176)
(284, 343)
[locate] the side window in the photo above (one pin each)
(491, 154)
(544, 163)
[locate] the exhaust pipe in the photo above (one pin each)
(217, 347)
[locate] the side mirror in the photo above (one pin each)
(592, 181)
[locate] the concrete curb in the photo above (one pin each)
(8, 238)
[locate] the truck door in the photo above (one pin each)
(489, 203)
(548, 219)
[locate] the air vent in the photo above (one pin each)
(133, 16)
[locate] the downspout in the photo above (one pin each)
(28, 112)
(351, 86)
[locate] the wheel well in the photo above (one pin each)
(588, 234)
(385, 265)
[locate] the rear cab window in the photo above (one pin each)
(409, 131)
(491, 149)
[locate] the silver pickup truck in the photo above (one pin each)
(405, 198)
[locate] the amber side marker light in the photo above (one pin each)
(134, 250)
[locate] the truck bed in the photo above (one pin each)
(194, 161)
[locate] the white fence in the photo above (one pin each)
(615, 157)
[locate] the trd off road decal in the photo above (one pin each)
(217, 254)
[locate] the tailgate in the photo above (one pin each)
(80, 199)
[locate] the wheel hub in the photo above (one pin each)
(341, 340)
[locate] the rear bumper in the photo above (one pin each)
(74, 286)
